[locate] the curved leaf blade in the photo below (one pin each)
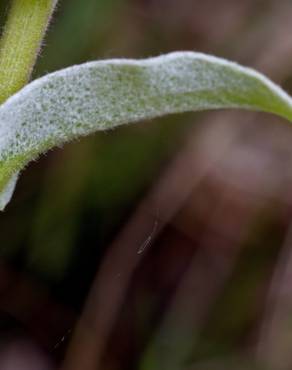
(101, 95)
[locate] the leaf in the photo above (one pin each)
(20, 42)
(101, 95)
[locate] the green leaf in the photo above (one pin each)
(21, 41)
(101, 95)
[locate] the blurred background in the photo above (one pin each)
(165, 245)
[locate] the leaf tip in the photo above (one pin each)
(7, 192)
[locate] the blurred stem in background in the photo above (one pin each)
(21, 41)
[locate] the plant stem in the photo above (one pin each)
(21, 41)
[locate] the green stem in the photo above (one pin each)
(21, 41)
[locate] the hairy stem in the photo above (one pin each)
(21, 41)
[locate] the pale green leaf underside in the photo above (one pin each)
(101, 95)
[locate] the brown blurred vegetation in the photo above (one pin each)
(165, 245)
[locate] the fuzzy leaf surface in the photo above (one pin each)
(101, 95)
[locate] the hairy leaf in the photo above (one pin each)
(101, 95)
(21, 42)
